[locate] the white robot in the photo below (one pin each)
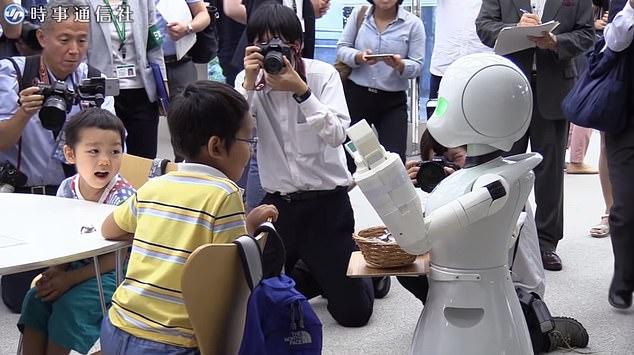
(485, 103)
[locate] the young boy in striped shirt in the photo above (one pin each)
(172, 215)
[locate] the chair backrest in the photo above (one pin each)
(136, 169)
(216, 295)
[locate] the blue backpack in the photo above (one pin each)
(599, 98)
(279, 319)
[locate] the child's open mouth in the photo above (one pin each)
(101, 175)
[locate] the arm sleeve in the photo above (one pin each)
(619, 33)
(580, 39)
(230, 222)
(489, 22)
(327, 111)
(125, 215)
(155, 55)
(346, 50)
(416, 53)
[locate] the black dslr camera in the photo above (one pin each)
(58, 99)
(274, 52)
(432, 172)
(10, 177)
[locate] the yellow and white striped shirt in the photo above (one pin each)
(170, 217)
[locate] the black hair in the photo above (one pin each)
(430, 147)
(93, 117)
(400, 2)
(204, 109)
(277, 20)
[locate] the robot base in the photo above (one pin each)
(471, 312)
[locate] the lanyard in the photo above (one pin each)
(119, 27)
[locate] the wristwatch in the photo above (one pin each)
(303, 97)
(190, 29)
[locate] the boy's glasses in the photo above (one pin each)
(253, 141)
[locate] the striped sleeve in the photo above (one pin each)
(125, 215)
(230, 222)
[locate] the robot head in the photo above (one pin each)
(483, 99)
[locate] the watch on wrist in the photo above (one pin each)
(190, 29)
(303, 97)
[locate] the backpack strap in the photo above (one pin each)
(360, 16)
(31, 71)
(25, 78)
(251, 258)
(251, 254)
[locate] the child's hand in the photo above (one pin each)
(287, 80)
(54, 283)
(253, 62)
(260, 215)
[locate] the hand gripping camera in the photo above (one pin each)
(274, 52)
(432, 172)
(59, 99)
(10, 177)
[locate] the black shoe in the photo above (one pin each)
(567, 334)
(381, 286)
(619, 299)
(551, 261)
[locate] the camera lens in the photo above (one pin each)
(53, 113)
(430, 175)
(273, 62)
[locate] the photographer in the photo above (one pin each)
(301, 117)
(25, 143)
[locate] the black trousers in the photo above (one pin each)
(620, 151)
(387, 111)
(140, 117)
(319, 232)
(179, 75)
(548, 138)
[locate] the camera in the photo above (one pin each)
(10, 177)
(274, 52)
(94, 90)
(432, 172)
(58, 99)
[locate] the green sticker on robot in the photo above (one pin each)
(441, 107)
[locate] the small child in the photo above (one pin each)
(174, 214)
(62, 312)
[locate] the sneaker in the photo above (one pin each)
(567, 334)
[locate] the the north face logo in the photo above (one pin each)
(300, 337)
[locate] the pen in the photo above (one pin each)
(525, 11)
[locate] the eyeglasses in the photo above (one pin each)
(253, 141)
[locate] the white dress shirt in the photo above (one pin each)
(300, 145)
(455, 34)
(619, 33)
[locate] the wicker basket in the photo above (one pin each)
(378, 253)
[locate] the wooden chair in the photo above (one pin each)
(136, 169)
(216, 294)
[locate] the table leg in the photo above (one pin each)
(119, 267)
(102, 297)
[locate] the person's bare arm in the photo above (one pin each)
(11, 31)
(235, 10)
(111, 231)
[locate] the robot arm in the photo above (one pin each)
(382, 178)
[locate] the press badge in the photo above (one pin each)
(125, 71)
